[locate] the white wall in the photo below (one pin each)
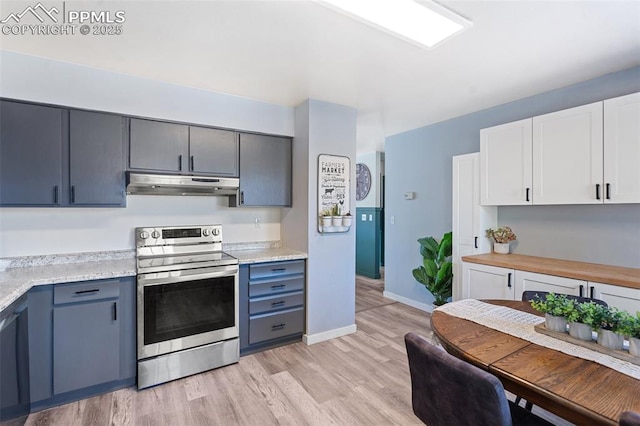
(324, 128)
(34, 231)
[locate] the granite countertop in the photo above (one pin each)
(29, 271)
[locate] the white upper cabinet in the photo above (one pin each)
(505, 158)
(470, 220)
(622, 149)
(567, 156)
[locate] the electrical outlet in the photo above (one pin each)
(364, 218)
(258, 221)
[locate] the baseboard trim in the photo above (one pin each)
(422, 306)
(310, 339)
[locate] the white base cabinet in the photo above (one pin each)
(531, 281)
(487, 282)
(620, 297)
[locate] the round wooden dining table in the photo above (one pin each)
(580, 391)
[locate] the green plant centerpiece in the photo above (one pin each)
(583, 318)
(556, 308)
(502, 235)
(436, 271)
(631, 329)
(611, 327)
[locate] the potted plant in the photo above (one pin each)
(612, 323)
(501, 238)
(326, 217)
(631, 329)
(436, 272)
(336, 219)
(555, 308)
(347, 219)
(582, 318)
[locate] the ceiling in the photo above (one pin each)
(284, 52)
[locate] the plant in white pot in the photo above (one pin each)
(582, 319)
(326, 217)
(347, 219)
(555, 308)
(336, 219)
(501, 238)
(631, 329)
(610, 328)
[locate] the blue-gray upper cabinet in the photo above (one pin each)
(158, 146)
(32, 148)
(96, 159)
(265, 171)
(177, 148)
(213, 151)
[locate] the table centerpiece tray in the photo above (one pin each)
(593, 345)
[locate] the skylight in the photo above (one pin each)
(423, 22)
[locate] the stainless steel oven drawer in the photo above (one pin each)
(271, 326)
(265, 304)
(276, 286)
(276, 269)
(84, 291)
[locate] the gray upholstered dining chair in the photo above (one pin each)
(529, 295)
(629, 418)
(447, 391)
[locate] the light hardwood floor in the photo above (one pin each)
(359, 379)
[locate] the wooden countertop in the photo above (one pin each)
(606, 274)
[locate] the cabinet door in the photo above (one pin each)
(622, 149)
(213, 151)
(96, 165)
(265, 170)
(86, 348)
(540, 282)
(158, 146)
(505, 164)
(470, 220)
(619, 297)
(567, 156)
(31, 153)
(487, 282)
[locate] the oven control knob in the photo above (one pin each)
(215, 231)
(206, 232)
(144, 235)
(155, 234)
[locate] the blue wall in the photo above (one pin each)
(420, 160)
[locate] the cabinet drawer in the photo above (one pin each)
(276, 286)
(81, 292)
(271, 326)
(276, 302)
(275, 269)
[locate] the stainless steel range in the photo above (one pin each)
(187, 303)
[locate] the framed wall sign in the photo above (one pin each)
(334, 180)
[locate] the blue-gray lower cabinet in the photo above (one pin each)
(82, 340)
(272, 304)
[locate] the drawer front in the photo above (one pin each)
(271, 326)
(275, 303)
(81, 292)
(276, 286)
(275, 269)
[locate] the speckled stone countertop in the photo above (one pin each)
(25, 272)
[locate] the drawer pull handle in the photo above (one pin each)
(278, 287)
(276, 327)
(115, 311)
(179, 162)
(597, 191)
(95, 290)
(475, 242)
(278, 269)
(509, 280)
(608, 189)
(581, 289)
(276, 304)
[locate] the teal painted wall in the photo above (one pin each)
(368, 241)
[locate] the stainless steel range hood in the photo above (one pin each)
(152, 184)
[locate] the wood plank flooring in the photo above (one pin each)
(359, 379)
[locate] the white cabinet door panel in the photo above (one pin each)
(622, 149)
(567, 156)
(505, 164)
(531, 281)
(487, 282)
(620, 297)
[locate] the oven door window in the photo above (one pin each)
(176, 310)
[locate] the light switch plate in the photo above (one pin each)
(364, 218)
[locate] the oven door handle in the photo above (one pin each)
(158, 278)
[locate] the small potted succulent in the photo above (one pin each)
(336, 219)
(347, 219)
(612, 323)
(555, 308)
(631, 329)
(501, 238)
(582, 319)
(326, 217)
